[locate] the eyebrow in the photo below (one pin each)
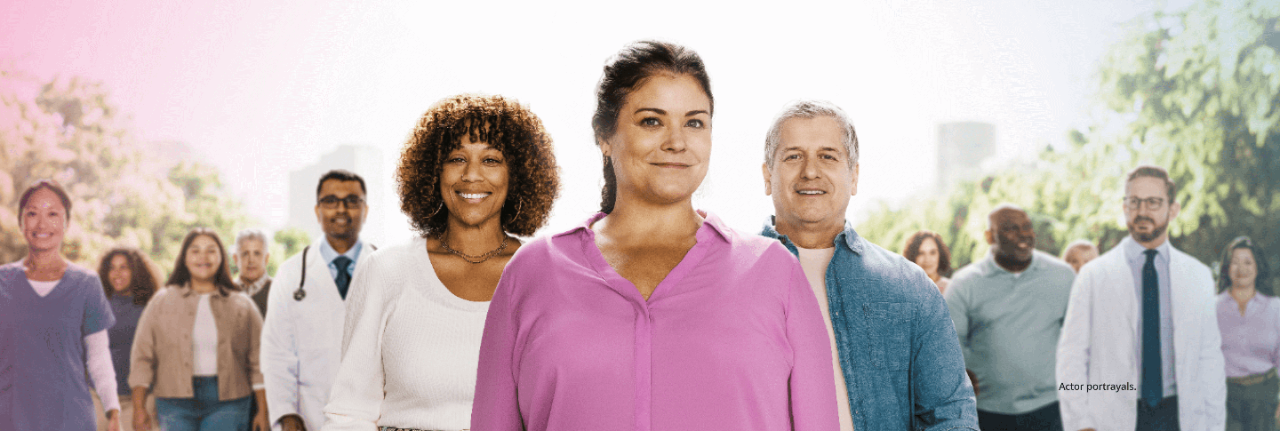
(796, 148)
(663, 112)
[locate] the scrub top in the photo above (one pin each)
(43, 380)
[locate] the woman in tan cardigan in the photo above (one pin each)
(197, 346)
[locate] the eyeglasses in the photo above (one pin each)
(331, 202)
(1150, 203)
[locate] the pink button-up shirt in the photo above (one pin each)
(731, 339)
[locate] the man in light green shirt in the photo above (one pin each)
(1008, 310)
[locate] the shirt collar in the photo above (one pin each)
(849, 236)
(256, 285)
(185, 290)
(708, 219)
(329, 254)
(1133, 252)
(992, 266)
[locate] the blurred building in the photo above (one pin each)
(962, 148)
(363, 160)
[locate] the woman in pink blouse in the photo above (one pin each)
(652, 315)
(1249, 318)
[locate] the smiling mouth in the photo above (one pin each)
(672, 165)
(474, 198)
(811, 192)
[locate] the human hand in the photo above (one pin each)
(141, 422)
(260, 422)
(113, 420)
(292, 423)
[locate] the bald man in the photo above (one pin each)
(1008, 310)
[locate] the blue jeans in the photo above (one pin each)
(203, 412)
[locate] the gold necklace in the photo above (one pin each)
(474, 259)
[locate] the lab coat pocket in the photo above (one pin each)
(889, 324)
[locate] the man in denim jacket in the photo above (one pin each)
(894, 345)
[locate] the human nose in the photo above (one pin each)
(471, 172)
(809, 169)
(676, 141)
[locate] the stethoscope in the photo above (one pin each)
(300, 293)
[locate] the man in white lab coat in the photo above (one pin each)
(302, 335)
(1140, 347)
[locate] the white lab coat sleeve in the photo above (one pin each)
(1212, 373)
(355, 401)
(1073, 354)
(279, 356)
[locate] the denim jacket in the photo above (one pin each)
(902, 364)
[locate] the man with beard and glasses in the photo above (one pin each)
(1140, 347)
(302, 335)
(1008, 310)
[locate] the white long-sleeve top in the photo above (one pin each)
(410, 348)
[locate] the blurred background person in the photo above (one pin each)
(251, 258)
(1008, 309)
(1249, 318)
(1143, 313)
(476, 170)
(129, 279)
(197, 346)
(651, 314)
(54, 318)
(302, 336)
(927, 249)
(1078, 253)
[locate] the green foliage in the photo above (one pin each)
(286, 243)
(70, 131)
(1195, 91)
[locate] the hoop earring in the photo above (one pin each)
(519, 207)
(438, 208)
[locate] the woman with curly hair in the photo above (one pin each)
(128, 279)
(475, 171)
(1249, 318)
(927, 249)
(652, 314)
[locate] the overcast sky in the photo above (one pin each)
(262, 88)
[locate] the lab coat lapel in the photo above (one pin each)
(1184, 309)
(319, 279)
(1124, 292)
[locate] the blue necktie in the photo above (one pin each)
(344, 275)
(1152, 384)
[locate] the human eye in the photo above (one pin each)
(695, 123)
(650, 122)
(791, 157)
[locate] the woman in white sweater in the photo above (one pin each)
(476, 170)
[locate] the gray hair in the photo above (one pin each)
(811, 109)
(1079, 243)
(253, 234)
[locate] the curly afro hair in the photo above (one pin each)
(507, 126)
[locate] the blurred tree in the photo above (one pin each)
(69, 131)
(286, 243)
(1196, 91)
